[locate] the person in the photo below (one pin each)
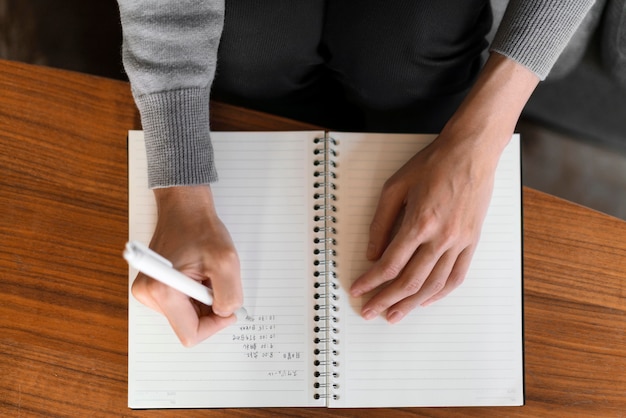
(391, 66)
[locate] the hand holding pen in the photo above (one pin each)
(161, 269)
(191, 235)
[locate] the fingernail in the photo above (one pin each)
(369, 314)
(395, 316)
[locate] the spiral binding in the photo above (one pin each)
(326, 319)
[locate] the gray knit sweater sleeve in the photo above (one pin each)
(169, 53)
(535, 32)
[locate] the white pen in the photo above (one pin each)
(159, 268)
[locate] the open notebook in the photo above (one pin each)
(307, 345)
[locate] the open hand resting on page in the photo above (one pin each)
(190, 234)
(440, 198)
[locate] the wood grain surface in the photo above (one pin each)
(64, 290)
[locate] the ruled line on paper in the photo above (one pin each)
(262, 197)
(438, 346)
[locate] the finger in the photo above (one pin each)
(190, 323)
(393, 261)
(184, 320)
(456, 277)
(225, 279)
(408, 283)
(435, 282)
(389, 206)
(141, 291)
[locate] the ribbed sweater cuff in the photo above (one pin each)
(534, 34)
(176, 131)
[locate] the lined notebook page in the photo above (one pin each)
(463, 350)
(263, 196)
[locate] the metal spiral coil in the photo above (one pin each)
(326, 318)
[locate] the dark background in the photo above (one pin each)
(78, 35)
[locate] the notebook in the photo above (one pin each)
(278, 193)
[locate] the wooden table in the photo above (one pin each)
(63, 282)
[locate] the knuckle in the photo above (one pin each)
(229, 257)
(448, 238)
(414, 232)
(428, 217)
(227, 261)
(139, 294)
(150, 288)
(390, 188)
(455, 280)
(437, 248)
(449, 235)
(378, 306)
(420, 228)
(426, 220)
(412, 286)
(390, 271)
(438, 285)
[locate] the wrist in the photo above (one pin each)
(176, 197)
(490, 111)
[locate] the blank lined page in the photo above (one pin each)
(463, 350)
(263, 196)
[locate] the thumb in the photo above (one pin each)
(225, 279)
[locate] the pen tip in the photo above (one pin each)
(242, 314)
